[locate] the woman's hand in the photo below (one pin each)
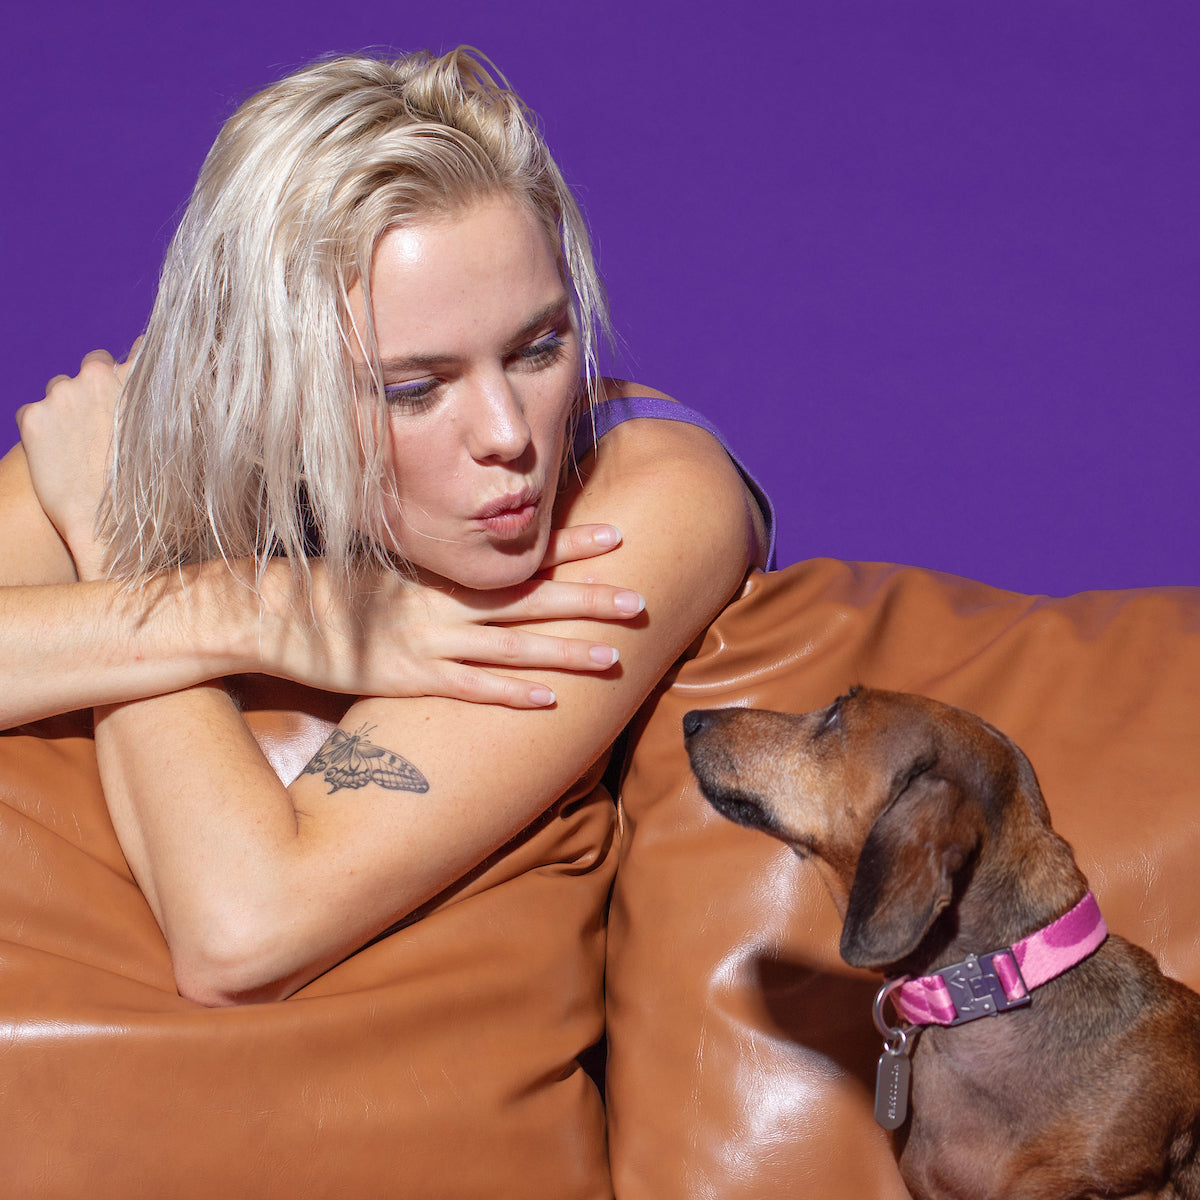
(412, 639)
(67, 438)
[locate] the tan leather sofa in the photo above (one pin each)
(444, 1060)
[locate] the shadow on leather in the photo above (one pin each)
(826, 1013)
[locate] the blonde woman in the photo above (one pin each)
(353, 449)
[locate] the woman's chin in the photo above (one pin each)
(485, 568)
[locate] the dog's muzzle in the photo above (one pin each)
(716, 771)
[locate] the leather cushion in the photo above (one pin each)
(442, 1060)
(742, 1051)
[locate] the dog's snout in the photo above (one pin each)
(696, 721)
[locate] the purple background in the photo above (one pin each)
(934, 265)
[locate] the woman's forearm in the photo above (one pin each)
(206, 826)
(75, 645)
(66, 644)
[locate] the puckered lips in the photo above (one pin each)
(511, 515)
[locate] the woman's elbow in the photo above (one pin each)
(216, 989)
(206, 992)
(229, 970)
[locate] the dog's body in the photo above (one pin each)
(936, 844)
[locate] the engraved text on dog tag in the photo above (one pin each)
(891, 1088)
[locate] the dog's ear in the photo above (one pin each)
(906, 871)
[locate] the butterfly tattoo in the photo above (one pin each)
(352, 760)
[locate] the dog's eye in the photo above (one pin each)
(833, 713)
(829, 720)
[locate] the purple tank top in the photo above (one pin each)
(610, 413)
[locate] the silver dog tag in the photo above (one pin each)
(891, 1088)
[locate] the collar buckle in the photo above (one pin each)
(978, 988)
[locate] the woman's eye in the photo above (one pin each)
(409, 397)
(544, 351)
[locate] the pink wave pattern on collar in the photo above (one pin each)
(1020, 968)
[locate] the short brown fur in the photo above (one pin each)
(934, 839)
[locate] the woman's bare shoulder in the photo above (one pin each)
(31, 552)
(670, 467)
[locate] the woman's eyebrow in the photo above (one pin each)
(416, 362)
(548, 314)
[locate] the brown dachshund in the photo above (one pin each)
(934, 838)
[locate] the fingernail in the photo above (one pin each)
(628, 602)
(541, 696)
(605, 656)
(607, 535)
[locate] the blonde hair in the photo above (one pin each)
(237, 433)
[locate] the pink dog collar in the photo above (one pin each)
(983, 985)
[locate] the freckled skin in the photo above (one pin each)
(478, 398)
(935, 841)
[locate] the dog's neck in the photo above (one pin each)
(1001, 902)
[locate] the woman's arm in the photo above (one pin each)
(67, 644)
(259, 888)
(31, 552)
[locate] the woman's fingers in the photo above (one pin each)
(89, 357)
(578, 542)
(559, 600)
(121, 369)
(500, 646)
(66, 438)
(482, 687)
(94, 370)
(471, 675)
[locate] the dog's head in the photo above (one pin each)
(896, 793)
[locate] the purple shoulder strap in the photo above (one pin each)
(608, 414)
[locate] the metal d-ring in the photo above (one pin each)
(894, 1038)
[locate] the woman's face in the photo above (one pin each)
(480, 369)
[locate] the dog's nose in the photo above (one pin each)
(695, 722)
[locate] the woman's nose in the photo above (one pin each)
(499, 429)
